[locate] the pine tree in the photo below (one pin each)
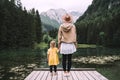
(38, 27)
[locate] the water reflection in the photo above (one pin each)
(96, 51)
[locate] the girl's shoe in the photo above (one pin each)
(51, 74)
(55, 73)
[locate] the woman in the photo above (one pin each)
(67, 42)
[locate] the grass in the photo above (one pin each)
(112, 72)
(42, 45)
(87, 46)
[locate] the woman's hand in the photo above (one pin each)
(59, 46)
(76, 45)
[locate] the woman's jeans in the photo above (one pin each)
(66, 62)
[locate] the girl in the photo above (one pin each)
(52, 56)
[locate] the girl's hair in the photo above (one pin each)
(52, 43)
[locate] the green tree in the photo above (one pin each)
(101, 16)
(38, 27)
(18, 27)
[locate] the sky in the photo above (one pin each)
(69, 5)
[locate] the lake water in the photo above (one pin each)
(17, 64)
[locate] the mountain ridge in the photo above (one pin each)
(52, 17)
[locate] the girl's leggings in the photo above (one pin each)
(53, 66)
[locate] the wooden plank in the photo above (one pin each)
(88, 75)
(70, 77)
(49, 76)
(30, 75)
(59, 75)
(40, 75)
(35, 75)
(84, 77)
(60, 69)
(74, 75)
(79, 75)
(82, 69)
(45, 75)
(54, 77)
(93, 75)
(63, 77)
(101, 77)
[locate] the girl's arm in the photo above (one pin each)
(57, 50)
(48, 56)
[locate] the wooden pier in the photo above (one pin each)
(75, 74)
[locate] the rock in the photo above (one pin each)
(97, 60)
(11, 78)
(31, 65)
(1, 67)
(15, 78)
(23, 75)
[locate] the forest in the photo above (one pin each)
(19, 28)
(100, 24)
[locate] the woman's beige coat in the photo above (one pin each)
(67, 33)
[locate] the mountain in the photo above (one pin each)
(75, 15)
(100, 24)
(52, 18)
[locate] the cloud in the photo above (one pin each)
(44, 5)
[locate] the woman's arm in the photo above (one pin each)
(76, 45)
(59, 37)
